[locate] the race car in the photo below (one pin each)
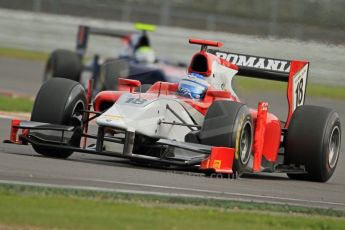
(136, 60)
(196, 124)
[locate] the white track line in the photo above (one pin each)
(239, 196)
(14, 115)
(283, 199)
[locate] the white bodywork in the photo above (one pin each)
(144, 114)
(221, 78)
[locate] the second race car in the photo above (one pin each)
(137, 60)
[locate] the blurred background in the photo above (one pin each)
(320, 20)
(311, 30)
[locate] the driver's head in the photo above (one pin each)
(194, 86)
(145, 55)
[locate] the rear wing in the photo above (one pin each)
(85, 31)
(294, 72)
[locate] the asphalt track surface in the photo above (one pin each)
(20, 164)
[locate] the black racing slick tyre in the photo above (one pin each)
(313, 140)
(59, 101)
(63, 64)
(230, 124)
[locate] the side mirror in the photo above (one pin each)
(125, 84)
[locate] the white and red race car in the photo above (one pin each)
(198, 123)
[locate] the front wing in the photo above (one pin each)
(208, 158)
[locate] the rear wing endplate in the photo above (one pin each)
(294, 72)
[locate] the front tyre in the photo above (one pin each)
(59, 101)
(313, 140)
(230, 124)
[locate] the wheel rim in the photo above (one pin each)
(245, 143)
(77, 118)
(334, 147)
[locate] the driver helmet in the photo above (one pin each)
(145, 55)
(194, 86)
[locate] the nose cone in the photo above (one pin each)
(111, 118)
(131, 112)
(145, 114)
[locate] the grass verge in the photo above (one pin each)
(23, 54)
(257, 85)
(10, 104)
(48, 208)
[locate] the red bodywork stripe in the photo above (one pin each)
(228, 64)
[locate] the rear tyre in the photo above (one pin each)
(59, 101)
(230, 124)
(63, 64)
(313, 140)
